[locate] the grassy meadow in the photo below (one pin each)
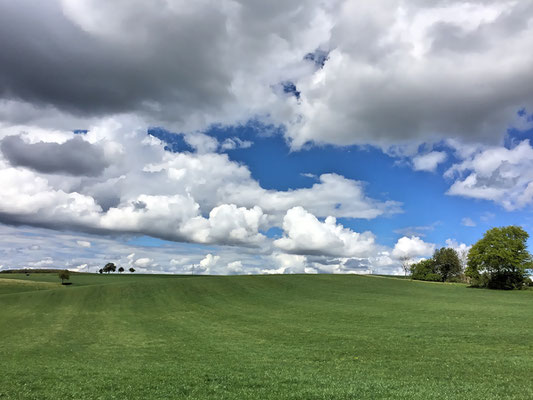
(261, 337)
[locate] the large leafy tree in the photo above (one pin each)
(500, 259)
(447, 264)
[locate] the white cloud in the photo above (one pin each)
(412, 247)
(80, 268)
(420, 231)
(305, 234)
(208, 263)
(31, 198)
(461, 248)
(288, 263)
(466, 221)
(333, 195)
(201, 143)
(83, 243)
(188, 196)
(498, 174)
(170, 257)
(45, 263)
(235, 267)
(235, 143)
(143, 262)
(227, 224)
(429, 161)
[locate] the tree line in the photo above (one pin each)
(110, 267)
(499, 260)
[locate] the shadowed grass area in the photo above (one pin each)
(262, 337)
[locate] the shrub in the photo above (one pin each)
(433, 277)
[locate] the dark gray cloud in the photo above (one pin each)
(74, 157)
(48, 59)
(398, 71)
(164, 61)
(404, 71)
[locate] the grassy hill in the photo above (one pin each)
(261, 337)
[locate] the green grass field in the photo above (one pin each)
(261, 337)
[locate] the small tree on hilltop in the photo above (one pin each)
(406, 264)
(132, 270)
(121, 270)
(64, 276)
(110, 267)
(500, 259)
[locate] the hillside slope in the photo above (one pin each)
(261, 337)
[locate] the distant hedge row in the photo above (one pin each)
(30, 271)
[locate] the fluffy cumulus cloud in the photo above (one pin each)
(200, 196)
(495, 173)
(305, 234)
(461, 248)
(235, 268)
(227, 224)
(412, 247)
(429, 161)
(143, 262)
(289, 263)
(208, 262)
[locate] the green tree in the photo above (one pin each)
(425, 270)
(447, 264)
(444, 266)
(110, 267)
(121, 270)
(64, 275)
(132, 270)
(500, 259)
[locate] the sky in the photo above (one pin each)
(252, 137)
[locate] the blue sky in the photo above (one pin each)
(322, 137)
(427, 210)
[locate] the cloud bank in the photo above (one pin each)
(379, 73)
(437, 84)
